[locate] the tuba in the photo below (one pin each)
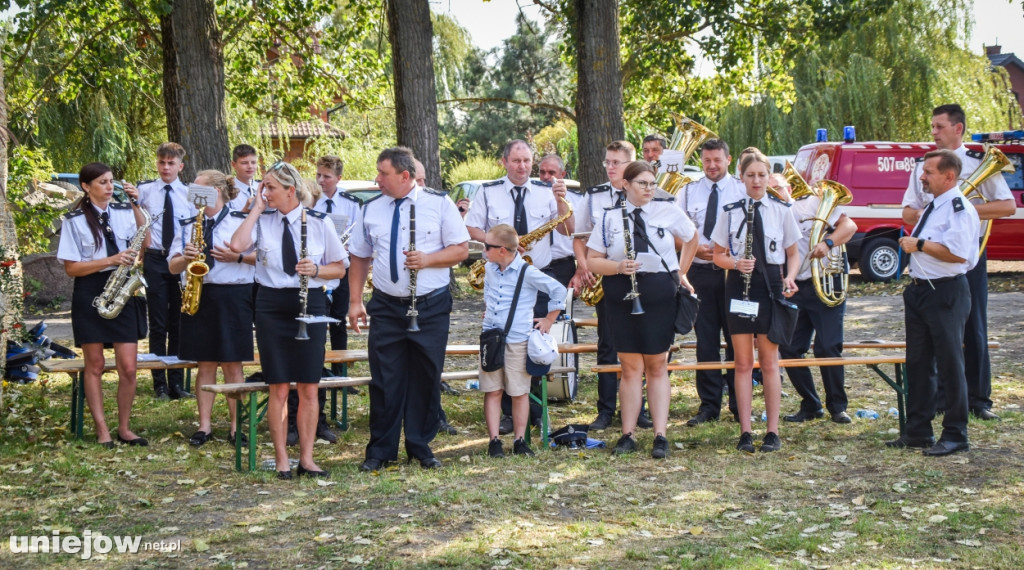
(195, 271)
(126, 280)
(798, 187)
(823, 271)
(688, 137)
(994, 161)
(477, 270)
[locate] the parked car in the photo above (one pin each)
(69, 181)
(362, 189)
(878, 173)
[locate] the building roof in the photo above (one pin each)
(1006, 60)
(303, 130)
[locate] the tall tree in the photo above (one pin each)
(598, 91)
(410, 32)
(194, 84)
(10, 265)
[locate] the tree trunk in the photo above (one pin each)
(10, 276)
(599, 86)
(411, 35)
(194, 85)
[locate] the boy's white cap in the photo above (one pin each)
(541, 348)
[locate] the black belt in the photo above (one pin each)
(155, 251)
(936, 281)
(394, 299)
(705, 266)
(562, 260)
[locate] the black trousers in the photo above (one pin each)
(338, 331)
(406, 374)
(826, 325)
(710, 328)
(163, 297)
(977, 368)
(935, 321)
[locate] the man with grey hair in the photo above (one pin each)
(652, 148)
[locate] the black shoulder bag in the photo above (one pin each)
(492, 341)
(784, 314)
(687, 304)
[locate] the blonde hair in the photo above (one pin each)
(505, 236)
(223, 183)
(311, 192)
(333, 162)
(753, 157)
(289, 177)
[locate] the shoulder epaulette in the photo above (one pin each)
(737, 178)
(238, 214)
(141, 182)
(668, 198)
(74, 213)
(612, 207)
(919, 159)
(270, 211)
(662, 195)
(783, 202)
(598, 189)
(541, 183)
(121, 205)
(958, 204)
(435, 192)
(345, 194)
(578, 191)
(372, 199)
(804, 197)
(736, 204)
(491, 183)
(186, 221)
(976, 154)
(315, 214)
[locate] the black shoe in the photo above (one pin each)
(352, 391)
(771, 442)
(494, 449)
(446, 388)
(446, 428)
(371, 464)
(303, 472)
(601, 422)
(946, 448)
(519, 447)
(293, 436)
(161, 394)
(984, 414)
(505, 425)
(660, 448)
(803, 416)
(643, 421)
(285, 475)
(199, 438)
(700, 418)
(324, 433)
(431, 463)
(625, 445)
(180, 395)
(904, 442)
(245, 439)
(842, 418)
(108, 445)
(139, 441)
(746, 443)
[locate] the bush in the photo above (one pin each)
(474, 168)
(35, 223)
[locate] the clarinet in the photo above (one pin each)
(303, 280)
(412, 313)
(627, 240)
(749, 250)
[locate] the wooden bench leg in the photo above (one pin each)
(77, 405)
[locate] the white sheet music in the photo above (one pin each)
(672, 160)
(314, 319)
(340, 222)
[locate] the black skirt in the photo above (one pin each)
(649, 333)
(282, 357)
(89, 327)
(758, 292)
(221, 330)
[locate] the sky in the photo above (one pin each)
(491, 22)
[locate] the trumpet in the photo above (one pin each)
(634, 294)
(414, 326)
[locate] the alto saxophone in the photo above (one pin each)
(195, 271)
(476, 271)
(126, 280)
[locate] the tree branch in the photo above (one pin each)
(568, 113)
(143, 20)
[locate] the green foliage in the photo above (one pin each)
(35, 222)
(560, 138)
(474, 168)
(884, 77)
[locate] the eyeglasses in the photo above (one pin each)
(614, 163)
(489, 246)
(643, 184)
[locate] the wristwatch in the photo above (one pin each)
(920, 244)
(830, 243)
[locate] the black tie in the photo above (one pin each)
(396, 218)
(711, 214)
(208, 239)
(330, 205)
(108, 234)
(167, 230)
(639, 232)
(758, 249)
(924, 218)
(288, 257)
(520, 214)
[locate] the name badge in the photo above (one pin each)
(741, 307)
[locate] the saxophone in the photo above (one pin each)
(195, 271)
(476, 271)
(126, 280)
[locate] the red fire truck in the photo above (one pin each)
(877, 173)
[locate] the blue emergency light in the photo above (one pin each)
(998, 136)
(821, 135)
(849, 134)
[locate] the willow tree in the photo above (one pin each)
(883, 77)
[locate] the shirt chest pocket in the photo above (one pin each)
(124, 237)
(499, 215)
(538, 215)
(773, 245)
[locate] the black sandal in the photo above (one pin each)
(199, 438)
(245, 439)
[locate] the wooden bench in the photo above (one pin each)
(898, 382)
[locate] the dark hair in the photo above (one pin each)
(513, 144)
(955, 112)
(948, 161)
(242, 151)
(623, 146)
(714, 144)
(86, 175)
(658, 138)
(636, 168)
(401, 159)
(171, 150)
